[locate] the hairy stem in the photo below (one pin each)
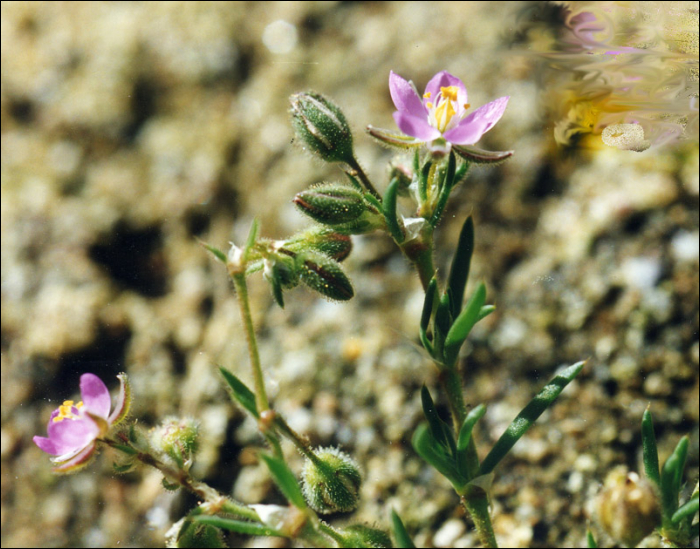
(239, 282)
(357, 171)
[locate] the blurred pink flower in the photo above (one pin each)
(74, 429)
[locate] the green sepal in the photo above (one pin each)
(463, 324)
(423, 175)
(528, 416)
(252, 238)
(465, 432)
(389, 211)
(285, 480)
(401, 537)
(427, 313)
(122, 468)
(239, 526)
(459, 270)
(485, 311)
(687, 510)
(649, 451)
(331, 203)
(240, 392)
(169, 486)
(445, 190)
(359, 535)
(218, 254)
(393, 138)
(195, 534)
(480, 156)
(126, 449)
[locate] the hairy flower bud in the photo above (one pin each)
(324, 275)
(321, 239)
(178, 439)
(322, 127)
(331, 204)
(628, 507)
(331, 481)
(359, 535)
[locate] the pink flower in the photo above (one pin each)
(442, 111)
(74, 428)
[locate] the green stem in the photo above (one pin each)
(239, 283)
(356, 170)
(476, 502)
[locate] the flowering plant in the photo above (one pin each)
(331, 479)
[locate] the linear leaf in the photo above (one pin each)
(671, 475)
(465, 431)
(403, 540)
(427, 314)
(216, 252)
(389, 210)
(239, 526)
(446, 189)
(241, 393)
(285, 480)
(590, 540)
(464, 323)
(649, 450)
(252, 238)
(688, 509)
(528, 416)
(459, 271)
(433, 453)
(436, 424)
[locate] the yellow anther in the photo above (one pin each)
(427, 95)
(450, 92)
(444, 113)
(65, 411)
(466, 106)
(429, 105)
(68, 403)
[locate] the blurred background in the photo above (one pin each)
(130, 129)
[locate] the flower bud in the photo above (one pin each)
(331, 204)
(178, 439)
(628, 507)
(359, 535)
(322, 127)
(324, 275)
(331, 481)
(321, 239)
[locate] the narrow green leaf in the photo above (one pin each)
(252, 238)
(239, 526)
(461, 173)
(649, 451)
(427, 314)
(432, 416)
(682, 452)
(403, 540)
(389, 211)
(591, 540)
(218, 254)
(485, 311)
(285, 480)
(244, 396)
(464, 323)
(465, 432)
(459, 271)
(528, 416)
(369, 197)
(354, 181)
(126, 449)
(435, 454)
(688, 509)
(671, 477)
(416, 161)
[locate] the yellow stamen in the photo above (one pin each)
(466, 106)
(427, 95)
(65, 411)
(450, 92)
(445, 111)
(429, 105)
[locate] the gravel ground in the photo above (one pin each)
(129, 130)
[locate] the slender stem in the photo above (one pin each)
(243, 302)
(362, 176)
(476, 502)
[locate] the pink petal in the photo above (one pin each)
(95, 395)
(71, 434)
(50, 446)
(470, 130)
(444, 79)
(121, 407)
(405, 97)
(78, 461)
(416, 126)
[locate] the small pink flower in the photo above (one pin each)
(74, 428)
(442, 111)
